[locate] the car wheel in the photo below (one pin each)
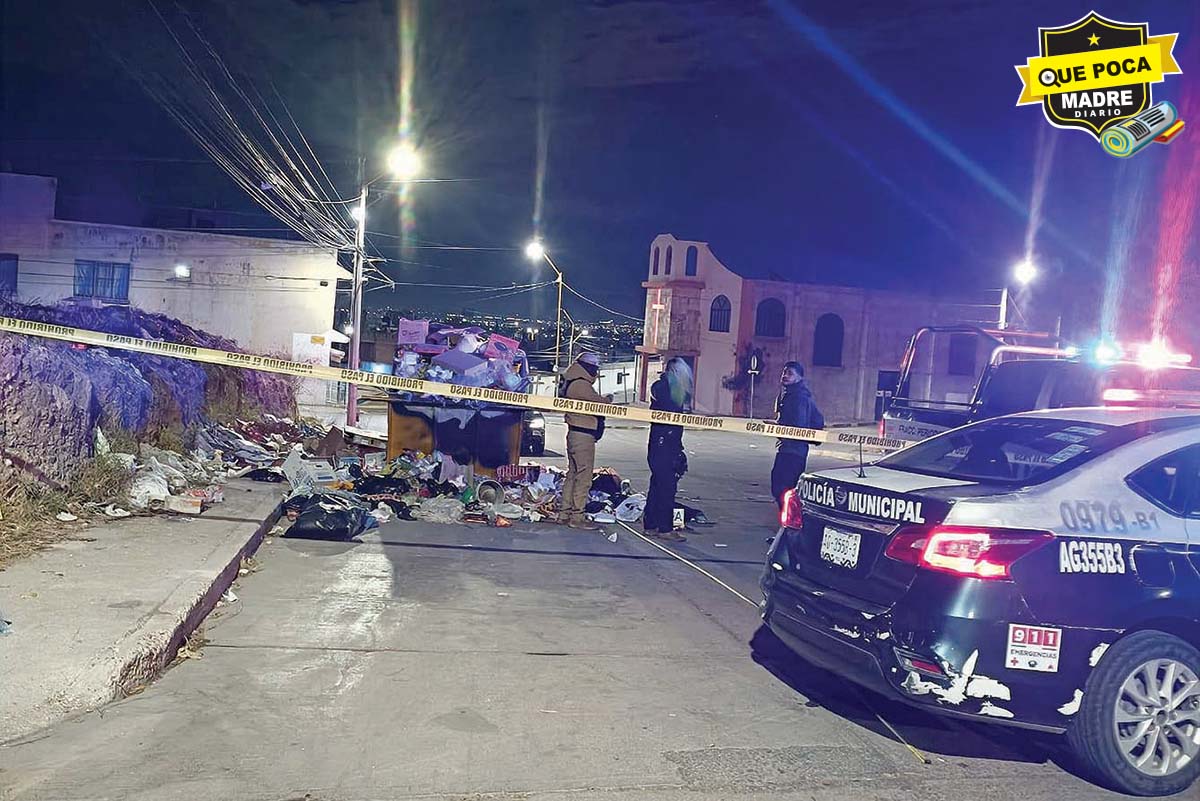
(1138, 727)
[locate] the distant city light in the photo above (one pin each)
(183, 272)
(585, 333)
(1025, 271)
(404, 162)
(535, 251)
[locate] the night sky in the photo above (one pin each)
(864, 143)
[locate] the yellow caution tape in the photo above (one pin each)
(733, 425)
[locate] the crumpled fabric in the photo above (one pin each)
(442, 509)
(149, 487)
(630, 510)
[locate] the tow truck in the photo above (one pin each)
(1024, 371)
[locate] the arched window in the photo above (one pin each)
(770, 319)
(689, 264)
(667, 269)
(827, 341)
(718, 314)
(654, 268)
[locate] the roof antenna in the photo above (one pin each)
(861, 472)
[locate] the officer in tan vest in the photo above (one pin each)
(583, 432)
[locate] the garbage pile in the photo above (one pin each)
(53, 395)
(342, 502)
(469, 356)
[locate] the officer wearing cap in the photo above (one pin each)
(583, 432)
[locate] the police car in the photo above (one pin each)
(1040, 570)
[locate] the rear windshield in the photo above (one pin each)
(1017, 451)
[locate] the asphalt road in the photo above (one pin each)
(536, 662)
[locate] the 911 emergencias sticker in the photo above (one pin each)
(1033, 648)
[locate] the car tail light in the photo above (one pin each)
(791, 515)
(914, 662)
(975, 552)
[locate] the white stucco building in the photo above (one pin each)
(254, 290)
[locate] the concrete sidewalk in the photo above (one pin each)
(97, 617)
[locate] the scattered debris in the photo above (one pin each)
(1071, 707)
(229, 596)
(66, 517)
(115, 511)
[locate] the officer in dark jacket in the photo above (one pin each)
(795, 406)
(672, 392)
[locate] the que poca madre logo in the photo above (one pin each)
(1097, 75)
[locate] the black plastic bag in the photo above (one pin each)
(271, 475)
(330, 517)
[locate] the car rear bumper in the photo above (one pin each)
(866, 647)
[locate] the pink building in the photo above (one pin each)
(849, 340)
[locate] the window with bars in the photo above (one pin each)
(103, 280)
(719, 314)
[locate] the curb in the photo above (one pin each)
(143, 656)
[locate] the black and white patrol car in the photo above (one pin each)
(1040, 570)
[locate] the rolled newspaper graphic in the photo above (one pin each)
(1133, 134)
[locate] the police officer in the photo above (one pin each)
(795, 406)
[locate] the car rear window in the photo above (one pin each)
(1016, 450)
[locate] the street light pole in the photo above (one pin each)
(536, 252)
(356, 298)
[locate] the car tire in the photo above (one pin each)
(1092, 735)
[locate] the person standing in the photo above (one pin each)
(672, 392)
(795, 406)
(583, 432)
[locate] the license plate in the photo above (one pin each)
(840, 547)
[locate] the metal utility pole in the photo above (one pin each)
(356, 298)
(558, 319)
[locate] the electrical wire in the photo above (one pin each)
(583, 297)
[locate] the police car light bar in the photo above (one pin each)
(1164, 398)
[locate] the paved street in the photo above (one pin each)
(535, 662)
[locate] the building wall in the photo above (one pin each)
(256, 291)
(680, 324)
(877, 326)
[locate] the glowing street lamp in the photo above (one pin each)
(535, 251)
(1024, 272)
(404, 162)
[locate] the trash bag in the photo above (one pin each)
(330, 516)
(269, 474)
(149, 487)
(695, 517)
(631, 509)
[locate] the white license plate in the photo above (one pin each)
(840, 547)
